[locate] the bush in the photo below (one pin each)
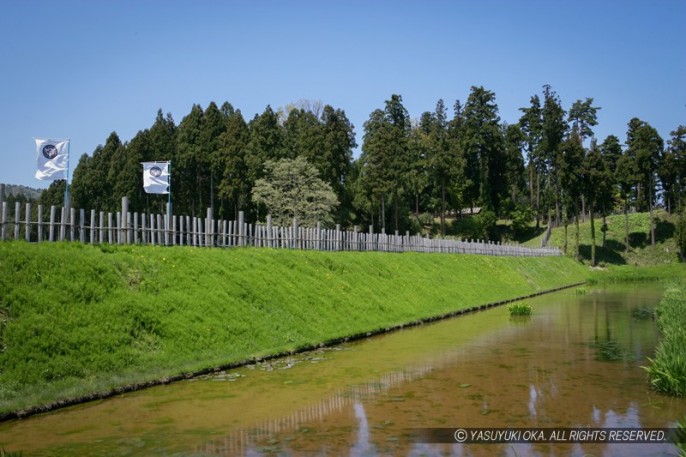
(521, 218)
(519, 309)
(487, 221)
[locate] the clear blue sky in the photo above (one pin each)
(82, 69)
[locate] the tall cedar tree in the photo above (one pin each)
(233, 142)
(483, 145)
(554, 129)
(597, 179)
(569, 165)
(531, 124)
(385, 154)
(646, 146)
(611, 150)
(672, 169)
(582, 116)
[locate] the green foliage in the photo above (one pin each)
(487, 221)
(680, 438)
(519, 309)
(483, 145)
(667, 370)
(522, 217)
(80, 319)
(292, 189)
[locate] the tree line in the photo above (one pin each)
(548, 167)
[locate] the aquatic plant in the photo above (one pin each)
(4, 453)
(609, 351)
(667, 370)
(680, 438)
(519, 309)
(643, 313)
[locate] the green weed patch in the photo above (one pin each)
(667, 370)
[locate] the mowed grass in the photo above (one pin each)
(641, 252)
(79, 319)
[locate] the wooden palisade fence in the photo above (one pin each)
(124, 227)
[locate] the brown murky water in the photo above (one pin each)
(362, 399)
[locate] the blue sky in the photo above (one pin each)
(82, 69)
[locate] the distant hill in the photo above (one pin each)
(28, 192)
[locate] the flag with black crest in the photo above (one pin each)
(156, 177)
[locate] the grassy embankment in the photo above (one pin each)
(76, 319)
(641, 252)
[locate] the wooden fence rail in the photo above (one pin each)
(125, 227)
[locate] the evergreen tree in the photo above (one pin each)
(440, 154)
(611, 151)
(211, 161)
(266, 143)
(233, 183)
(531, 124)
(385, 150)
(553, 131)
(597, 178)
(672, 169)
(646, 146)
(626, 178)
(336, 161)
(189, 163)
(484, 148)
(514, 161)
(583, 116)
(570, 164)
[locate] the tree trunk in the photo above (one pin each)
(565, 243)
(383, 213)
(592, 234)
(443, 207)
(557, 203)
(604, 229)
(626, 224)
(576, 236)
(652, 223)
(531, 180)
(538, 201)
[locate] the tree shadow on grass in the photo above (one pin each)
(608, 254)
(664, 230)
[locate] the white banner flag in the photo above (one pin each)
(156, 177)
(52, 159)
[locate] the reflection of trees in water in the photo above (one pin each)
(244, 440)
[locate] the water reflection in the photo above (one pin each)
(482, 370)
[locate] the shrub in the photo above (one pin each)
(519, 309)
(521, 218)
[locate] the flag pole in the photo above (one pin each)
(169, 205)
(67, 199)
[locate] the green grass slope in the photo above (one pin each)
(640, 253)
(78, 319)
